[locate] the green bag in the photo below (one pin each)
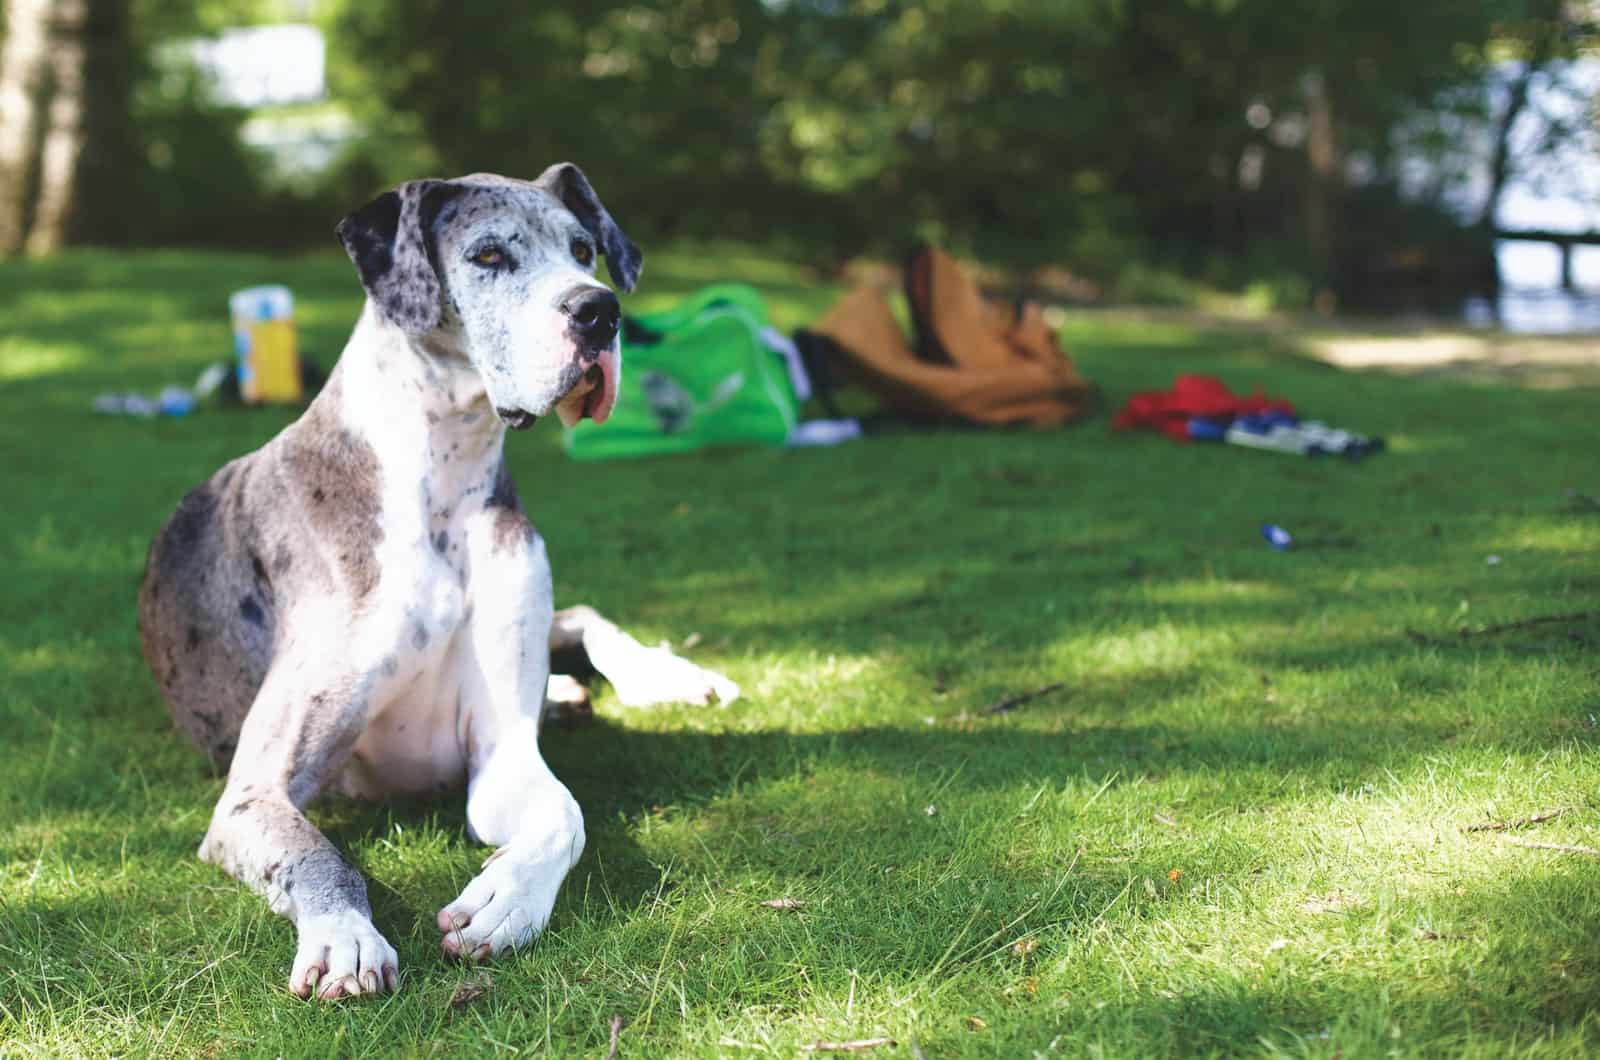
(709, 371)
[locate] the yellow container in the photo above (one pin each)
(264, 339)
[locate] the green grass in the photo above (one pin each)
(1238, 828)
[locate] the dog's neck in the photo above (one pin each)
(424, 410)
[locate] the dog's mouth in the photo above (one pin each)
(516, 419)
(595, 394)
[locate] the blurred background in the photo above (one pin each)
(1350, 156)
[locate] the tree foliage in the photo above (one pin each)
(1092, 131)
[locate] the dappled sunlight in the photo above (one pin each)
(1163, 647)
(1203, 591)
(30, 360)
(1540, 361)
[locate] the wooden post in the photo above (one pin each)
(1568, 283)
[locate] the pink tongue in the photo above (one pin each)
(601, 400)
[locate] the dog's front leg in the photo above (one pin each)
(513, 800)
(298, 734)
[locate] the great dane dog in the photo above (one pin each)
(362, 604)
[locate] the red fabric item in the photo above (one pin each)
(1205, 396)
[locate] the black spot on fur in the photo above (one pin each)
(250, 611)
(419, 637)
(193, 518)
(441, 542)
(191, 640)
(244, 807)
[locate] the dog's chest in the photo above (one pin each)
(412, 743)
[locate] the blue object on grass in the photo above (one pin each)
(1277, 536)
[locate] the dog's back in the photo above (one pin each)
(206, 621)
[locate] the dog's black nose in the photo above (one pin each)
(595, 315)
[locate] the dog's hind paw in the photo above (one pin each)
(342, 955)
(651, 676)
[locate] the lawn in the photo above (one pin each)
(1243, 823)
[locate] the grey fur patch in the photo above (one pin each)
(208, 605)
(336, 477)
(511, 526)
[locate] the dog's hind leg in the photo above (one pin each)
(642, 676)
(296, 738)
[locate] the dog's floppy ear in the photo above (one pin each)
(568, 184)
(390, 241)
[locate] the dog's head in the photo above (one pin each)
(501, 272)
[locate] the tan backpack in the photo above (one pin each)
(973, 359)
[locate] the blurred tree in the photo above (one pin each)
(1541, 37)
(41, 120)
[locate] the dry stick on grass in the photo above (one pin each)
(1012, 702)
(616, 1033)
(1506, 627)
(1528, 623)
(857, 1046)
(1521, 822)
(1564, 848)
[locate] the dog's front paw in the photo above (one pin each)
(504, 906)
(650, 676)
(342, 955)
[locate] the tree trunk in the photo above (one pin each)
(1322, 189)
(111, 144)
(41, 121)
(24, 54)
(1545, 32)
(63, 139)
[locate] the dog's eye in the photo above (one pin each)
(490, 257)
(582, 251)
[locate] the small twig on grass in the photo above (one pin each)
(616, 1033)
(1505, 627)
(784, 903)
(1565, 848)
(1009, 703)
(857, 1046)
(1529, 623)
(1521, 822)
